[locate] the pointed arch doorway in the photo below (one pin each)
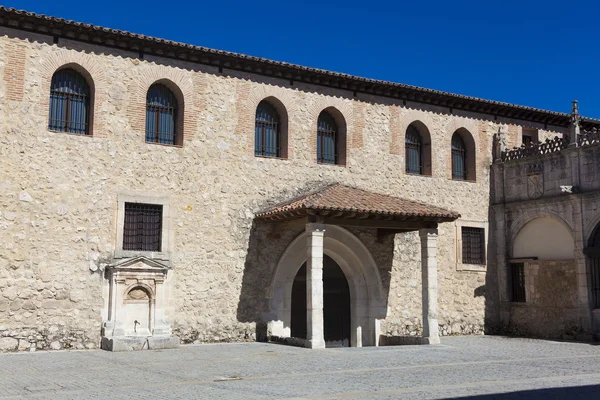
(336, 305)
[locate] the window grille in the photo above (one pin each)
(327, 146)
(266, 131)
(517, 282)
(143, 227)
(414, 148)
(473, 246)
(161, 115)
(459, 158)
(594, 262)
(69, 102)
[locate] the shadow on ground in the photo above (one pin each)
(566, 393)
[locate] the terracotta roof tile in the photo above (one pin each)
(343, 198)
(44, 24)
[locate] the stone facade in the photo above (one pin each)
(59, 206)
(550, 202)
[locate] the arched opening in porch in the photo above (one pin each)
(336, 305)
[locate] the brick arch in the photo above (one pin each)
(342, 111)
(176, 79)
(399, 123)
(91, 70)
(281, 98)
(521, 221)
(469, 129)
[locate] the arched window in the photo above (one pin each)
(459, 157)
(69, 102)
(161, 116)
(267, 131)
(327, 139)
(414, 151)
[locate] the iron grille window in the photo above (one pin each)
(69, 102)
(327, 146)
(594, 262)
(473, 246)
(161, 115)
(414, 150)
(143, 227)
(517, 282)
(595, 272)
(266, 131)
(459, 158)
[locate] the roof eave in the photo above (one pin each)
(164, 48)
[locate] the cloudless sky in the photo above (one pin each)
(535, 53)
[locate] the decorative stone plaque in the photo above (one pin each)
(535, 181)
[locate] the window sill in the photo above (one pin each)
(519, 303)
(332, 165)
(270, 157)
(89, 135)
(155, 255)
(422, 175)
(177, 146)
(471, 267)
(463, 180)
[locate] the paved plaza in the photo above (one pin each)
(475, 367)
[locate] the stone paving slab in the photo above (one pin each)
(474, 367)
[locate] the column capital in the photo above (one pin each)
(315, 227)
(428, 232)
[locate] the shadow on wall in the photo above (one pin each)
(491, 290)
(567, 393)
(266, 245)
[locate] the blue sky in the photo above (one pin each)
(535, 53)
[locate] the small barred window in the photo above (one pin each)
(267, 140)
(473, 246)
(459, 158)
(161, 116)
(517, 282)
(69, 102)
(414, 151)
(327, 140)
(143, 227)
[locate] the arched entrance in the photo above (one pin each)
(361, 275)
(336, 305)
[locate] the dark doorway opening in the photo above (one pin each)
(336, 305)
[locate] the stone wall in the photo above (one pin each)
(58, 193)
(551, 307)
(561, 186)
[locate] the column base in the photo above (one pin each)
(430, 340)
(315, 344)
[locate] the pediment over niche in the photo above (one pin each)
(139, 263)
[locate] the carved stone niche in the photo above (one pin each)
(136, 307)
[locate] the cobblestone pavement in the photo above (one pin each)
(474, 367)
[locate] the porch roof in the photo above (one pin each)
(337, 202)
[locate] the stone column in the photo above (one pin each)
(314, 286)
(430, 285)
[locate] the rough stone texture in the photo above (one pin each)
(551, 308)
(475, 367)
(569, 305)
(58, 195)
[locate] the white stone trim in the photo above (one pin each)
(367, 300)
(166, 234)
(460, 223)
